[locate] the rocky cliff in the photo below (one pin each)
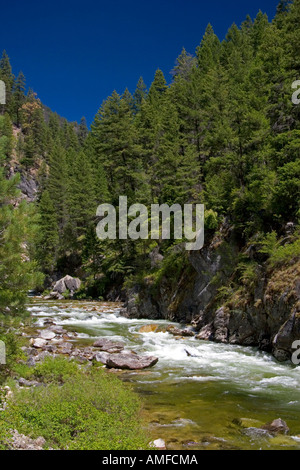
(264, 313)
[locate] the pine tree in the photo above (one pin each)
(18, 273)
(7, 76)
(139, 95)
(184, 65)
(82, 131)
(58, 186)
(117, 149)
(48, 238)
(19, 96)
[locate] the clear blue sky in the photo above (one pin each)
(75, 53)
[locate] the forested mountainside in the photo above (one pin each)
(224, 133)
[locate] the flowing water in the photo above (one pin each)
(218, 398)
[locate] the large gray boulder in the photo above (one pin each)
(67, 283)
(130, 361)
(72, 283)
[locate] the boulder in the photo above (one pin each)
(130, 361)
(72, 283)
(60, 286)
(54, 295)
(67, 283)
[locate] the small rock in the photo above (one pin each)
(107, 345)
(278, 426)
(257, 433)
(59, 330)
(173, 330)
(47, 334)
(27, 383)
(159, 444)
(48, 321)
(38, 343)
(65, 348)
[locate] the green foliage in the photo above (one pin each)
(280, 251)
(13, 353)
(285, 254)
(55, 370)
(174, 262)
(269, 244)
(77, 410)
(211, 220)
(248, 274)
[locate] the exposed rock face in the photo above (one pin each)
(208, 269)
(28, 186)
(268, 317)
(156, 258)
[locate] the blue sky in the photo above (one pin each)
(75, 53)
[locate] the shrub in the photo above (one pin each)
(79, 410)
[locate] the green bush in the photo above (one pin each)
(13, 354)
(280, 253)
(79, 410)
(56, 370)
(286, 253)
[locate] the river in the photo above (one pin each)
(216, 399)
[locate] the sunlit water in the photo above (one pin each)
(194, 402)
